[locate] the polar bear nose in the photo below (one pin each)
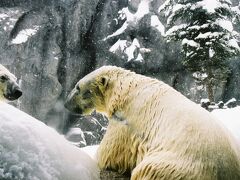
(17, 93)
(13, 91)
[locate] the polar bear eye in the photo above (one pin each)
(87, 94)
(3, 78)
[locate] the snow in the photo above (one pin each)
(190, 43)
(211, 52)
(139, 58)
(233, 43)
(208, 35)
(130, 50)
(163, 7)
(119, 45)
(3, 16)
(30, 150)
(204, 101)
(91, 151)
(199, 75)
(225, 24)
(132, 19)
(157, 24)
(236, 9)
(230, 119)
(76, 136)
(209, 5)
(173, 29)
(231, 100)
(23, 35)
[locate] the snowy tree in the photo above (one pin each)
(208, 40)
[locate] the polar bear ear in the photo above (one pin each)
(104, 81)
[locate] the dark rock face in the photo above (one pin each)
(51, 44)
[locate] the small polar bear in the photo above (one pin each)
(154, 132)
(9, 89)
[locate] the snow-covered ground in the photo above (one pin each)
(91, 151)
(30, 150)
(230, 118)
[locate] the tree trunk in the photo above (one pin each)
(210, 85)
(210, 93)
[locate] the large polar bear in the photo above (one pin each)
(9, 89)
(154, 131)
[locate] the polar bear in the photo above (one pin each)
(154, 132)
(9, 89)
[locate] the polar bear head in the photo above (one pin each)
(9, 89)
(89, 93)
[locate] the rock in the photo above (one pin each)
(110, 175)
(76, 137)
(231, 103)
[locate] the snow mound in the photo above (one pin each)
(230, 119)
(30, 150)
(91, 151)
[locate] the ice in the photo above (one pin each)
(30, 150)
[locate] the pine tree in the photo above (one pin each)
(208, 40)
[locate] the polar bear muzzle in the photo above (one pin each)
(13, 91)
(71, 104)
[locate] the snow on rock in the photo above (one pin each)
(30, 150)
(120, 45)
(132, 50)
(231, 103)
(76, 137)
(230, 119)
(23, 35)
(132, 19)
(9, 17)
(157, 24)
(3, 16)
